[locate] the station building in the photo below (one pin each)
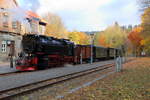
(11, 30)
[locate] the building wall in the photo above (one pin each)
(9, 29)
(5, 38)
(42, 29)
(34, 26)
(7, 23)
(12, 30)
(8, 4)
(37, 24)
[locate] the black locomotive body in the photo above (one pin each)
(40, 52)
(48, 45)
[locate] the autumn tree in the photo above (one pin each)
(144, 4)
(146, 22)
(100, 39)
(145, 17)
(113, 36)
(79, 37)
(97, 38)
(55, 26)
(136, 39)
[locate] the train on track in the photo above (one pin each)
(41, 52)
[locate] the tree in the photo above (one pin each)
(113, 36)
(136, 39)
(144, 4)
(145, 17)
(146, 22)
(146, 29)
(102, 40)
(55, 26)
(79, 37)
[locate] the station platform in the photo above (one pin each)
(5, 68)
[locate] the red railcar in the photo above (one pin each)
(82, 53)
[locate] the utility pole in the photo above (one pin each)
(92, 39)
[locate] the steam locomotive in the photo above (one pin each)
(40, 52)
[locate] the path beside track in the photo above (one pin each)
(5, 68)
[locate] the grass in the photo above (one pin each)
(133, 83)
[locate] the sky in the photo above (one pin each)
(87, 15)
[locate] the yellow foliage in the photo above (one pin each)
(142, 42)
(146, 29)
(113, 36)
(55, 27)
(145, 16)
(79, 37)
(138, 29)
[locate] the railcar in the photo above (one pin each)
(100, 53)
(82, 52)
(111, 53)
(118, 52)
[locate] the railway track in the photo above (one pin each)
(9, 93)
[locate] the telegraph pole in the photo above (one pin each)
(92, 39)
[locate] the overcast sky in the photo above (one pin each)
(87, 15)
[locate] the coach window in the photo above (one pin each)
(4, 46)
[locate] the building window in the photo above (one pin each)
(5, 19)
(34, 27)
(14, 25)
(41, 29)
(4, 46)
